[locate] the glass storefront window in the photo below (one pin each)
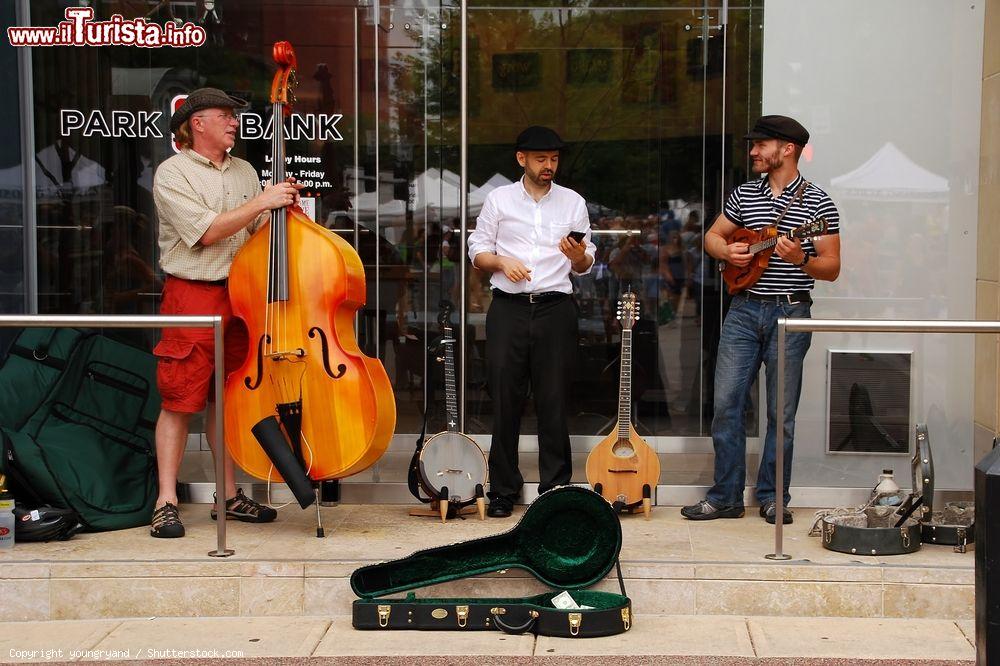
(653, 100)
(13, 290)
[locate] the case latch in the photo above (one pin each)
(828, 532)
(575, 620)
(626, 618)
(961, 540)
(905, 534)
(462, 612)
(383, 615)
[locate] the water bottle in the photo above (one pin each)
(6, 515)
(887, 491)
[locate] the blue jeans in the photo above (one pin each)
(749, 338)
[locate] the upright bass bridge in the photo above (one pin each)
(287, 355)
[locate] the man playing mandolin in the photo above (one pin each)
(783, 198)
(208, 203)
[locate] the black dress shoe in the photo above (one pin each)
(705, 510)
(768, 509)
(500, 507)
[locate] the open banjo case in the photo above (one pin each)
(569, 539)
(886, 530)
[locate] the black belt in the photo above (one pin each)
(212, 283)
(541, 297)
(791, 299)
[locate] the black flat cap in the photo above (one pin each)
(779, 127)
(204, 98)
(537, 137)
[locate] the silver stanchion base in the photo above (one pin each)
(223, 553)
(778, 556)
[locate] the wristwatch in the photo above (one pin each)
(805, 260)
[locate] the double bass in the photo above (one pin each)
(305, 390)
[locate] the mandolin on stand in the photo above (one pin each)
(623, 468)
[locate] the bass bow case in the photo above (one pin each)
(569, 539)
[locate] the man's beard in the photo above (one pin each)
(537, 178)
(767, 164)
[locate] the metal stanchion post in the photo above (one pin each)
(779, 451)
(220, 447)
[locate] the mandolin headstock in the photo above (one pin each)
(811, 230)
(628, 310)
(284, 82)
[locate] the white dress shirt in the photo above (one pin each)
(512, 224)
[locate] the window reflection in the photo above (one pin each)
(636, 94)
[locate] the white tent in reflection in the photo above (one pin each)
(478, 195)
(84, 175)
(890, 175)
(436, 195)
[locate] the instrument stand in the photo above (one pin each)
(645, 505)
(319, 518)
(443, 508)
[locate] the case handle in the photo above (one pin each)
(498, 613)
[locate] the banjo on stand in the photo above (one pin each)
(449, 467)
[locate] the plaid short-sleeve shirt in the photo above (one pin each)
(190, 191)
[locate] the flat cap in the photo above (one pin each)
(537, 137)
(204, 98)
(779, 127)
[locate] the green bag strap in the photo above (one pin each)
(11, 470)
(40, 352)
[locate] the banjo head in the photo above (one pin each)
(454, 461)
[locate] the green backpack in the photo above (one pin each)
(81, 437)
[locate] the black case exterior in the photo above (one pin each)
(871, 540)
(569, 539)
(514, 616)
(923, 485)
(988, 558)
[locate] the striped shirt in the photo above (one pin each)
(190, 192)
(752, 206)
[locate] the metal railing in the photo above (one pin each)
(841, 326)
(158, 321)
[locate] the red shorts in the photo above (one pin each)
(185, 369)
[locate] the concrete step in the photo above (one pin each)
(671, 566)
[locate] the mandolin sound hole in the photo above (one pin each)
(623, 449)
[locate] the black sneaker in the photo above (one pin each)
(500, 507)
(166, 523)
(243, 508)
(705, 510)
(767, 510)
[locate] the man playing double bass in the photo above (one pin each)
(783, 197)
(208, 204)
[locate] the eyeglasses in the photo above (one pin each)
(226, 116)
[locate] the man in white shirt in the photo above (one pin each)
(522, 238)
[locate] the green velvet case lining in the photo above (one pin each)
(568, 538)
(595, 599)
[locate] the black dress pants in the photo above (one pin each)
(530, 346)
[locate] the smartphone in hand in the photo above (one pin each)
(576, 235)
